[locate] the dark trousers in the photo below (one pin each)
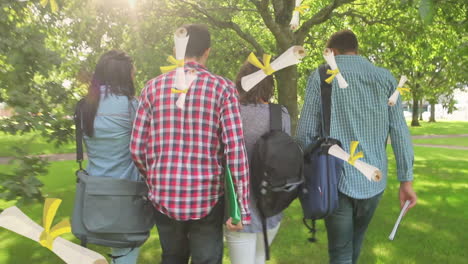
(346, 227)
(201, 239)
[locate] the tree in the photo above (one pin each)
(268, 19)
(429, 55)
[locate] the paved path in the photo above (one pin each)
(72, 156)
(49, 157)
(441, 146)
(439, 136)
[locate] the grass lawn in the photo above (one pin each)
(460, 141)
(433, 232)
(440, 128)
(34, 143)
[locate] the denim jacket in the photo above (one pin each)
(108, 150)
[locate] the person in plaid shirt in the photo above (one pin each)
(181, 153)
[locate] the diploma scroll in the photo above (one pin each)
(330, 58)
(13, 219)
(290, 57)
(294, 24)
(397, 223)
(392, 100)
(189, 78)
(181, 39)
(372, 173)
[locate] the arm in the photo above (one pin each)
(402, 148)
(234, 150)
(310, 119)
(140, 130)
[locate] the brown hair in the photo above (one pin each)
(199, 41)
(262, 91)
(344, 41)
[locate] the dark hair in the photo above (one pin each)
(114, 72)
(199, 41)
(261, 91)
(343, 41)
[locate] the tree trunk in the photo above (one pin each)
(286, 80)
(415, 121)
(432, 118)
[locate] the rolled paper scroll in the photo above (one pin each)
(399, 90)
(294, 24)
(371, 172)
(397, 223)
(13, 219)
(180, 39)
(189, 78)
(290, 57)
(335, 72)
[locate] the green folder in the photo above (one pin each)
(231, 198)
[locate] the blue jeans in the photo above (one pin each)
(201, 239)
(346, 227)
(129, 256)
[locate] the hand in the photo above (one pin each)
(407, 193)
(232, 227)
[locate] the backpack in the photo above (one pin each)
(319, 193)
(276, 170)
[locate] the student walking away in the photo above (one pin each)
(106, 116)
(359, 113)
(179, 150)
(247, 246)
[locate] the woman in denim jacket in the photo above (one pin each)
(108, 113)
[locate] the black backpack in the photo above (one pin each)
(276, 170)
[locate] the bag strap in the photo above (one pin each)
(312, 229)
(265, 235)
(276, 122)
(326, 93)
(78, 117)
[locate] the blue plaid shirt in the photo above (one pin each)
(361, 113)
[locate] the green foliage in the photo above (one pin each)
(426, 10)
(22, 183)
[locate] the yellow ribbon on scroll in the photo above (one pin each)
(179, 91)
(50, 234)
(53, 5)
(403, 90)
(333, 75)
(301, 9)
(266, 67)
(175, 64)
(353, 157)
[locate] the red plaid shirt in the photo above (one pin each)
(179, 150)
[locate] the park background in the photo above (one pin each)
(48, 50)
